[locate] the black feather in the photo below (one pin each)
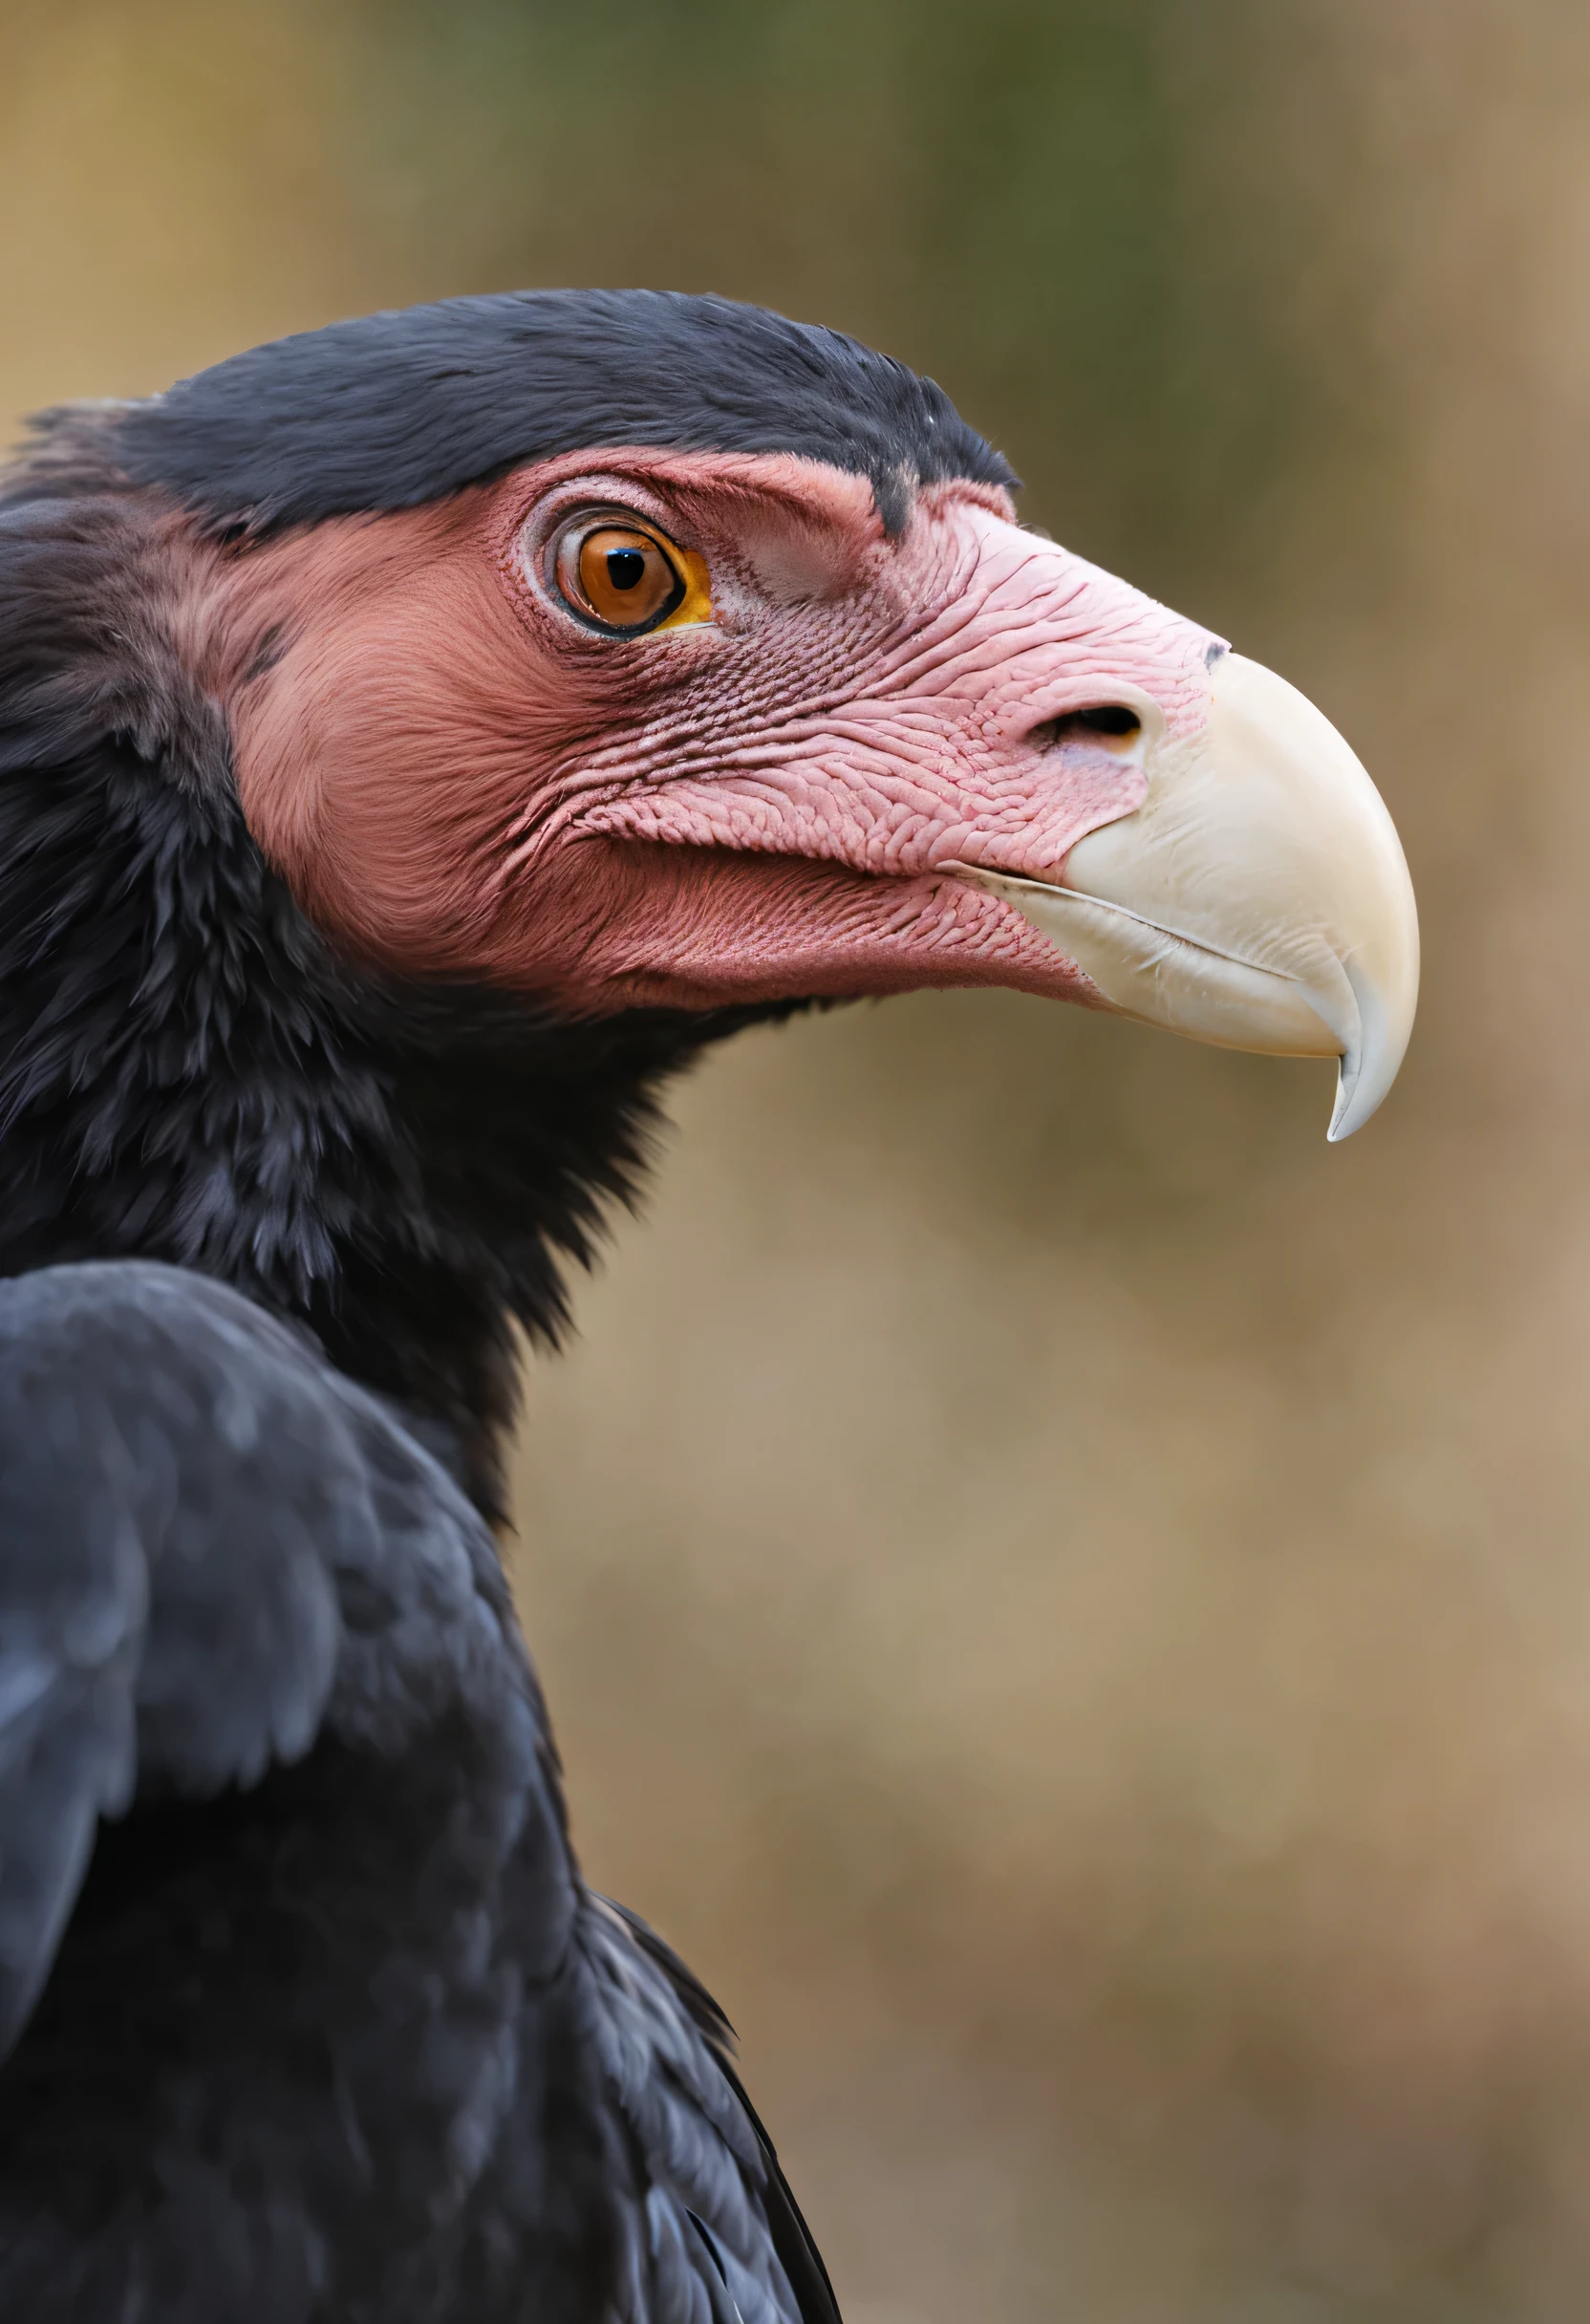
(395, 409)
(322, 2022)
(348, 2037)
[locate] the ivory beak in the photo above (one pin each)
(1258, 898)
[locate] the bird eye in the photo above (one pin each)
(625, 579)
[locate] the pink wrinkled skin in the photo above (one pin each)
(457, 778)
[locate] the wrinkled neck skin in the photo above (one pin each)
(190, 1071)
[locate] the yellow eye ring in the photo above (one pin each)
(619, 574)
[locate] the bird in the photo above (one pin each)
(420, 739)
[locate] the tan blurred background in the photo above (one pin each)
(1066, 1597)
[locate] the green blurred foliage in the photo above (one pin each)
(1010, 196)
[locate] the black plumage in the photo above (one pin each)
(391, 410)
(349, 2038)
(331, 2028)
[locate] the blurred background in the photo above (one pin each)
(1066, 1597)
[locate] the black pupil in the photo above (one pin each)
(626, 567)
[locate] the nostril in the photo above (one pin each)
(1113, 724)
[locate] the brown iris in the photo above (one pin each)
(620, 575)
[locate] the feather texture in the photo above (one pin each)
(309, 2012)
(328, 2024)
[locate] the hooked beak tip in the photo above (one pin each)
(1257, 898)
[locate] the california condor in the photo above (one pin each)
(419, 738)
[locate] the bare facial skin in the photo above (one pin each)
(458, 776)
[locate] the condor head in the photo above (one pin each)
(625, 650)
